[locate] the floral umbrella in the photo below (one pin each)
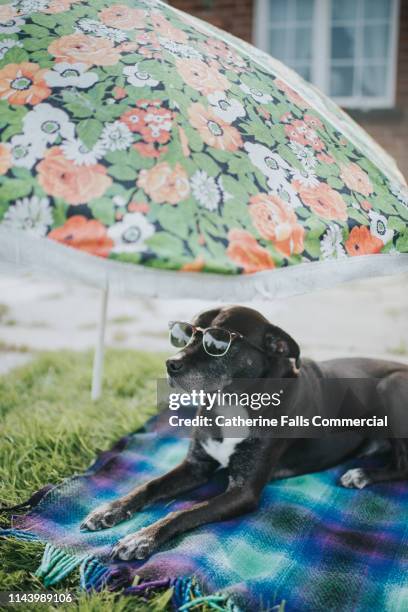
(159, 147)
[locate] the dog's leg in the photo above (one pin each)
(358, 478)
(249, 471)
(233, 502)
(393, 391)
(189, 474)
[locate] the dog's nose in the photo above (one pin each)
(174, 365)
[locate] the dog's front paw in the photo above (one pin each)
(105, 516)
(355, 479)
(137, 545)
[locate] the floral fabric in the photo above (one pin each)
(130, 133)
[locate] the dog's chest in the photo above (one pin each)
(222, 450)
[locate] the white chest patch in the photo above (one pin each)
(222, 450)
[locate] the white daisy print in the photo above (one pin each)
(12, 26)
(306, 177)
(258, 95)
(159, 123)
(76, 151)
(304, 154)
(116, 136)
(47, 123)
(225, 194)
(24, 7)
(138, 77)
(130, 234)
(179, 49)
(33, 215)
(119, 201)
(379, 227)
(276, 170)
(25, 151)
(331, 244)
(226, 108)
(7, 44)
(88, 26)
(270, 164)
(205, 190)
(400, 192)
(70, 75)
(92, 26)
(285, 191)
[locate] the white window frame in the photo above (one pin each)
(321, 52)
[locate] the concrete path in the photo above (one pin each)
(364, 318)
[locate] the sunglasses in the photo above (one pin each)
(216, 340)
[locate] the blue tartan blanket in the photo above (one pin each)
(311, 544)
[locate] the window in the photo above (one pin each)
(348, 48)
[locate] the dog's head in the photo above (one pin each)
(264, 350)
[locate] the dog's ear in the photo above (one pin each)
(277, 343)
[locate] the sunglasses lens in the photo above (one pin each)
(180, 334)
(216, 341)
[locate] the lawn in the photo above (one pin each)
(50, 430)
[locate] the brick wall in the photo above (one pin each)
(234, 16)
(388, 127)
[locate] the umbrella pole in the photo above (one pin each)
(99, 349)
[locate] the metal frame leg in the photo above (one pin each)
(97, 372)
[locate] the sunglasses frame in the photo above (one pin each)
(233, 336)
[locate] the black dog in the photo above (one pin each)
(259, 350)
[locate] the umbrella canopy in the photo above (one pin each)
(142, 147)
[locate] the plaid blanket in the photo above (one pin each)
(311, 544)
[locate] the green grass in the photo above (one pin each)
(122, 320)
(4, 310)
(50, 429)
(13, 348)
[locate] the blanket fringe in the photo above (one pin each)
(187, 594)
(27, 536)
(94, 575)
(56, 564)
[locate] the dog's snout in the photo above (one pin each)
(174, 365)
